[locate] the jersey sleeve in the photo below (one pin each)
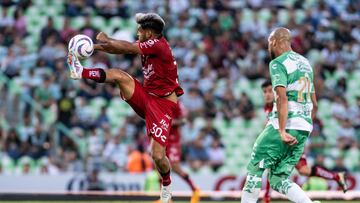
(150, 47)
(278, 74)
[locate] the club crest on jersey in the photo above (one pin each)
(148, 43)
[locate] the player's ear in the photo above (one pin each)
(273, 42)
(148, 33)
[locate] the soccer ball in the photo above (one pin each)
(81, 45)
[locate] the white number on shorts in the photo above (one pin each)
(157, 131)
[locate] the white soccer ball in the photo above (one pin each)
(81, 45)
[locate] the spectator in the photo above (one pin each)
(193, 101)
(65, 107)
(93, 183)
(139, 161)
(25, 166)
(88, 29)
(75, 8)
(20, 23)
(6, 20)
(216, 154)
(47, 167)
(198, 156)
(39, 143)
(116, 152)
(47, 31)
(346, 134)
(107, 8)
(67, 31)
(339, 165)
(69, 155)
(13, 145)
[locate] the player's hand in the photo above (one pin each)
(102, 37)
(288, 139)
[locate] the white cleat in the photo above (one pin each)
(74, 65)
(165, 195)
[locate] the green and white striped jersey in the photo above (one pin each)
(295, 73)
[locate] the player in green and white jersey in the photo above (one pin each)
(281, 144)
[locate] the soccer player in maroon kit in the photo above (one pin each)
(302, 166)
(173, 150)
(156, 99)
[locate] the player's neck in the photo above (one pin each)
(282, 50)
(158, 36)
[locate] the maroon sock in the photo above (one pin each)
(267, 192)
(189, 182)
(96, 74)
(165, 178)
(324, 173)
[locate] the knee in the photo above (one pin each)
(304, 171)
(253, 183)
(280, 184)
(157, 155)
(118, 75)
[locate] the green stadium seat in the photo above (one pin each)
(299, 16)
(247, 15)
(116, 22)
(351, 159)
(8, 164)
(77, 22)
(314, 56)
(283, 16)
(99, 22)
(264, 15)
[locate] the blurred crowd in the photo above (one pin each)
(51, 124)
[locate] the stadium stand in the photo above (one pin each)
(51, 124)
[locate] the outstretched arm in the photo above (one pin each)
(315, 106)
(114, 46)
(282, 108)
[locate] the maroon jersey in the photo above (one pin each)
(159, 68)
(268, 108)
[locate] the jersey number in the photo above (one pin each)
(306, 84)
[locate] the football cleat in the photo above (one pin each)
(74, 65)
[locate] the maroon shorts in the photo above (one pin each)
(173, 152)
(156, 111)
(302, 162)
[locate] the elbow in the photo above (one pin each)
(282, 99)
(315, 105)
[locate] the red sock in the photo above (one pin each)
(324, 173)
(267, 192)
(165, 178)
(189, 182)
(96, 74)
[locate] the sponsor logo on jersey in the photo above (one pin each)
(148, 43)
(274, 66)
(164, 125)
(148, 71)
(94, 73)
